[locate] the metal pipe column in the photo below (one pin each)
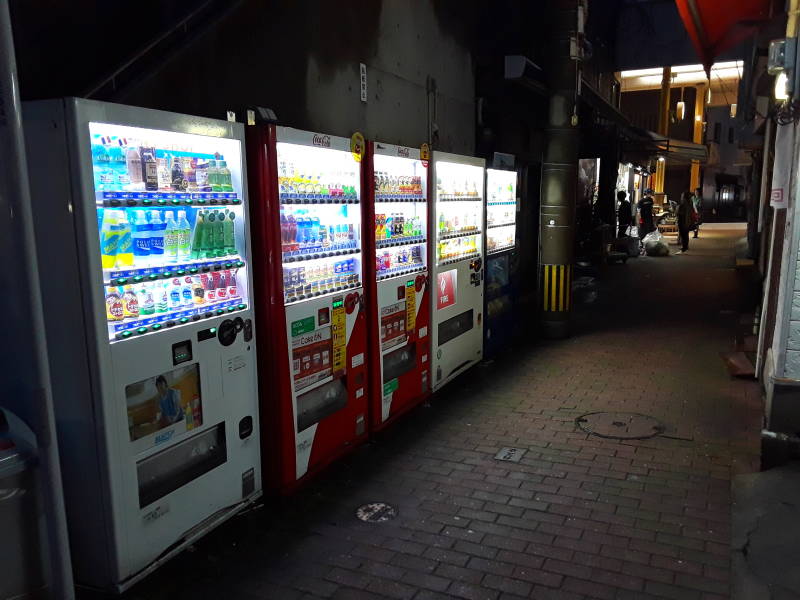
(559, 176)
(24, 368)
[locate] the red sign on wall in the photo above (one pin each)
(446, 289)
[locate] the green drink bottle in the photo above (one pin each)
(229, 234)
(197, 235)
(208, 235)
(219, 235)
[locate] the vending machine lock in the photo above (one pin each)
(248, 330)
(227, 332)
(245, 427)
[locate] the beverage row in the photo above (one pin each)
(303, 232)
(398, 185)
(319, 278)
(295, 179)
(122, 164)
(502, 213)
(452, 222)
(400, 257)
(456, 248)
(133, 301)
(500, 191)
(397, 225)
(462, 187)
(141, 238)
(500, 239)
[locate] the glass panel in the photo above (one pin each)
(320, 220)
(171, 225)
(400, 216)
(459, 211)
(501, 209)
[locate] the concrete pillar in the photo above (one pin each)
(559, 175)
(697, 134)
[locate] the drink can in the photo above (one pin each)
(198, 289)
(233, 288)
(222, 285)
(387, 260)
(208, 286)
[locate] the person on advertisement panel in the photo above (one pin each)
(169, 403)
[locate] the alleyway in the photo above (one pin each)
(578, 516)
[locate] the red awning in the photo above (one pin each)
(715, 26)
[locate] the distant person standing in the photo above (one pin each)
(624, 217)
(697, 204)
(685, 220)
(646, 215)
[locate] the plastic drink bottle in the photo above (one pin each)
(130, 303)
(201, 177)
(133, 162)
(114, 310)
(208, 235)
(157, 231)
(314, 228)
(284, 228)
(161, 293)
(225, 177)
(219, 235)
(109, 239)
(100, 162)
(117, 164)
(190, 173)
(171, 238)
(144, 295)
(233, 288)
(197, 236)
(186, 291)
(198, 293)
(229, 234)
(184, 237)
(176, 294)
(149, 168)
(213, 176)
(292, 232)
(178, 179)
(125, 243)
(141, 231)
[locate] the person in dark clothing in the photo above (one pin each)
(646, 215)
(685, 220)
(624, 217)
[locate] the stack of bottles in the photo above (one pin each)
(500, 192)
(501, 213)
(120, 164)
(147, 298)
(454, 222)
(305, 233)
(398, 185)
(453, 187)
(457, 248)
(319, 277)
(500, 238)
(297, 179)
(397, 226)
(132, 238)
(398, 257)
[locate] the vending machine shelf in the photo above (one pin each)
(495, 225)
(398, 271)
(404, 241)
(499, 249)
(339, 288)
(398, 198)
(136, 275)
(287, 198)
(288, 258)
(122, 199)
(450, 261)
(500, 202)
(450, 198)
(458, 234)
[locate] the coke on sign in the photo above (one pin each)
(321, 140)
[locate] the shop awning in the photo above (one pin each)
(715, 26)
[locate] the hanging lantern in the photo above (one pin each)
(733, 110)
(680, 110)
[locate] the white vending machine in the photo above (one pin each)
(143, 239)
(457, 265)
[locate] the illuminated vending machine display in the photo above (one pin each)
(142, 222)
(398, 292)
(457, 302)
(501, 231)
(307, 203)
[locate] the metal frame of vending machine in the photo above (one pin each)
(456, 259)
(151, 352)
(397, 290)
(502, 205)
(306, 190)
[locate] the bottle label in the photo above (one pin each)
(141, 246)
(157, 245)
(110, 243)
(125, 243)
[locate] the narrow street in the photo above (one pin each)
(579, 516)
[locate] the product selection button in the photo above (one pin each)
(141, 330)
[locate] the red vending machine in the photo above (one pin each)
(396, 212)
(308, 266)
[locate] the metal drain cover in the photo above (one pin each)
(620, 425)
(376, 512)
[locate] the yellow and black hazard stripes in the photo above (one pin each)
(556, 287)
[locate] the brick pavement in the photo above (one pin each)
(578, 517)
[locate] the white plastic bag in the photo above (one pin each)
(653, 236)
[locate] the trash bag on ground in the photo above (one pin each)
(653, 236)
(657, 248)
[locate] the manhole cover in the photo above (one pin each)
(510, 454)
(376, 512)
(620, 425)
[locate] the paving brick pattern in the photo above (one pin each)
(578, 517)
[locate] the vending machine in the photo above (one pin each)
(144, 254)
(397, 281)
(501, 231)
(306, 190)
(457, 217)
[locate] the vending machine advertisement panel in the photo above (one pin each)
(501, 230)
(306, 190)
(145, 268)
(457, 217)
(397, 280)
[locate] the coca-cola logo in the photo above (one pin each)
(321, 140)
(402, 151)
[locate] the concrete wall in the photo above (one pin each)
(302, 60)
